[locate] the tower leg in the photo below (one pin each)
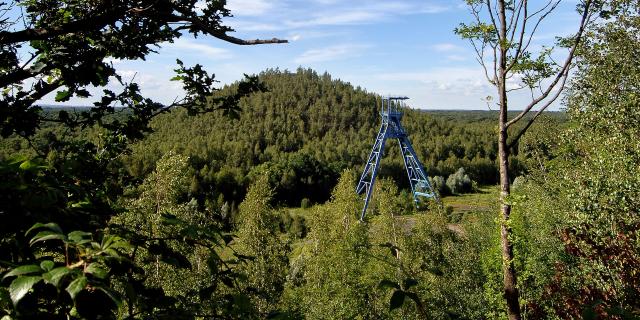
(368, 177)
(420, 186)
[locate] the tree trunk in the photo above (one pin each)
(510, 281)
(511, 295)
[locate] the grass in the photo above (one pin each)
(486, 199)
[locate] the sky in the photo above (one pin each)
(401, 47)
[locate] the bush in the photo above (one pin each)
(298, 227)
(285, 220)
(459, 182)
(438, 184)
(452, 217)
(305, 203)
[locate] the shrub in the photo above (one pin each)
(438, 183)
(298, 227)
(459, 182)
(305, 203)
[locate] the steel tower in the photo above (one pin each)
(391, 128)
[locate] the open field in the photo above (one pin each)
(486, 199)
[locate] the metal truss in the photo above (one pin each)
(391, 128)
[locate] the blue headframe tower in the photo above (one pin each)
(391, 128)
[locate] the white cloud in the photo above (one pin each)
(187, 46)
(431, 9)
(467, 81)
(249, 7)
(362, 12)
(336, 52)
(242, 25)
(342, 18)
(446, 47)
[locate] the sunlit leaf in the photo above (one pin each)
(47, 265)
(96, 270)
(20, 286)
(22, 270)
(54, 276)
(76, 286)
(47, 235)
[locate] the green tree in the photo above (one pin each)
(592, 177)
(259, 238)
(330, 276)
(501, 34)
(63, 47)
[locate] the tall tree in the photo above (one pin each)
(593, 180)
(259, 238)
(501, 34)
(63, 47)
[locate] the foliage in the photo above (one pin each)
(459, 182)
(74, 279)
(304, 131)
(69, 44)
(440, 185)
(328, 278)
(72, 174)
(259, 238)
(501, 33)
(593, 177)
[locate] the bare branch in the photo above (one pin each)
(93, 22)
(535, 28)
(542, 109)
(493, 19)
(480, 59)
(515, 18)
(516, 88)
(523, 30)
(563, 72)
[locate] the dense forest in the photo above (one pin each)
(240, 203)
(304, 131)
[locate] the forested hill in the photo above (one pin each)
(305, 130)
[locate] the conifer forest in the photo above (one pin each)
(238, 200)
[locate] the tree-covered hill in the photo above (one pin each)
(306, 129)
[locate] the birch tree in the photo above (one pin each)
(502, 35)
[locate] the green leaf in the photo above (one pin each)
(51, 226)
(397, 299)
(20, 286)
(76, 286)
(83, 93)
(96, 270)
(31, 166)
(22, 270)
(78, 237)
(47, 235)
(63, 95)
(47, 265)
(54, 276)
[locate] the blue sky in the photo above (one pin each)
(404, 47)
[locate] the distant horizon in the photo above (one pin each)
(61, 106)
(402, 46)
